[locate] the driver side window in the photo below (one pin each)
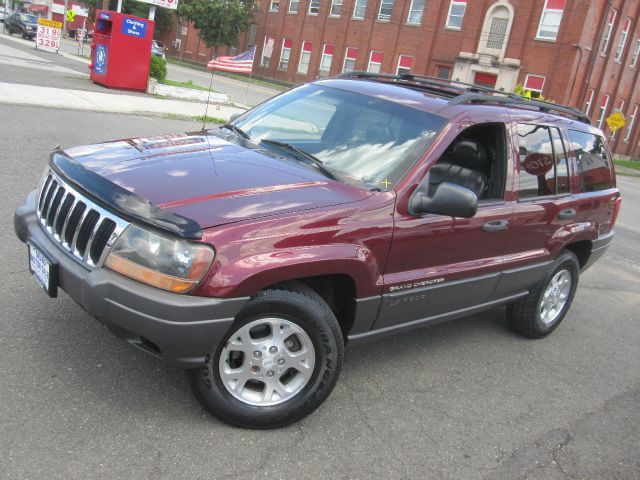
(476, 160)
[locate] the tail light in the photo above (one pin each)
(616, 211)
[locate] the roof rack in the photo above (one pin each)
(460, 92)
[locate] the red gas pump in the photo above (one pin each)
(121, 50)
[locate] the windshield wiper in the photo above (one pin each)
(236, 129)
(298, 153)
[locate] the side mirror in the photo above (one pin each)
(234, 117)
(448, 199)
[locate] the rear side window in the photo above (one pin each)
(537, 173)
(594, 166)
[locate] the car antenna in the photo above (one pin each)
(215, 49)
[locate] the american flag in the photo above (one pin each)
(242, 63)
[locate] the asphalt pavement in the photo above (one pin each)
(467, 399)
(462, 400)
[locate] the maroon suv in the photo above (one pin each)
(338, 212)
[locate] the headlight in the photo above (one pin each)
(167, 263)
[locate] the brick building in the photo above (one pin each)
(576, 52)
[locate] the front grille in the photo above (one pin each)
(76, 223)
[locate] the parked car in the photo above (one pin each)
(22, 23)
(158, 49)
(339, 212)
(3, 15)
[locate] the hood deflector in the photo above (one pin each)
(122, 202)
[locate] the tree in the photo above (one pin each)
(219, 22)
(163, 20)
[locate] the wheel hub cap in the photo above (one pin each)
(555, 297)
(267, 362)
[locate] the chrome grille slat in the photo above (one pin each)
(58, 203)
(47, 201)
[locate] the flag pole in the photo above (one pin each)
(246, 93)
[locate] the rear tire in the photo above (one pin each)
(278, 362)
(539, 313)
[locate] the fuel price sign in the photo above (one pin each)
(48, 36)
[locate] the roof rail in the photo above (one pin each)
(512, 99)
(462, 92)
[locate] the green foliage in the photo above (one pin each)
(219, 22)
(163, 20)
(158, 68)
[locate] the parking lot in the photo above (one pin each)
(463, 400)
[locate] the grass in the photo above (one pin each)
(188, 84)
(207, 119)
(632, 164)
(256, 81)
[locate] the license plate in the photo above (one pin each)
(44, 270)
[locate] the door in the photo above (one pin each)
(438, 264)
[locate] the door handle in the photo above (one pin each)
(495, 226)
(566, 214)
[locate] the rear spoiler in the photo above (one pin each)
(120, 201)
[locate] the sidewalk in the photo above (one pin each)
(19, 94)
(28, 92)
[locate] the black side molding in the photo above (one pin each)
(122, 202)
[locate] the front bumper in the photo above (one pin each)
(181, 329)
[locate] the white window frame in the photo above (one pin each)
(284, 49)
(603, 110)
(291, 4)
(451, 16)
(355, 9)
(632, 120)
(636, 54)
(607, 36)
(324, 56)
(623, 40)
(620, 108)
(371, 62)
(315, 4)
(274, 6)
(305, 59)
(548, 11)
(335, 3)
(398, 67)
(385, 17)
(344, 62)
(544, 79)
(411, 11)
(589, 103)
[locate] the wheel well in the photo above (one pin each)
(339, 291)
(582, 250)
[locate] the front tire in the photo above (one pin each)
(539, 313)
(278, 363)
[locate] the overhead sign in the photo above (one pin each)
(172, 4)
(134, 27)
(616, 121)
(48, 35)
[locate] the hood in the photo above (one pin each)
(211, 180)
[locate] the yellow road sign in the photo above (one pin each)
(70, 15)
(615, 121)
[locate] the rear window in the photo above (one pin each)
(594, 166)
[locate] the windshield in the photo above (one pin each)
(355, 136)
(28, 18)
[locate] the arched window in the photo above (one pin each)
(496, 29)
